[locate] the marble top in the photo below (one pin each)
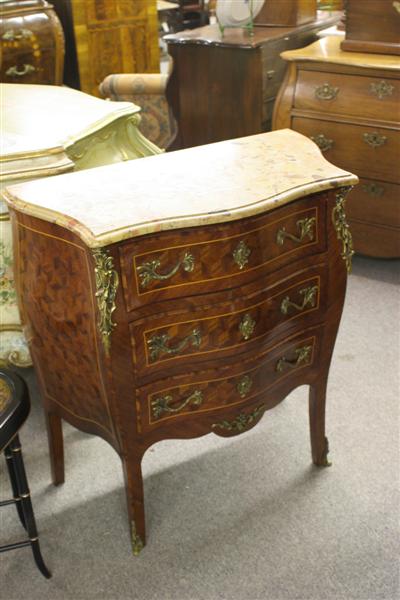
(188, 188)
(328, 50)
(38, 118)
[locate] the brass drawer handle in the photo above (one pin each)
(375, 140)
(396, 6)
(246, 326)
(381, 89)
(12, 35)
(157, 344)
(241, 254)
(302, 356)
(147, 271)
(309, 298)
(305, 228)
(242, 421)
(323, 143)
(163, 403)
(26, 70)
(326, 92)
(373, 189)
(244, 386)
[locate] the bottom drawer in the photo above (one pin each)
(375, 202)
(375, 240)
(168, 401)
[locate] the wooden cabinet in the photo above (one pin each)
(104, 37)
(349, 104)
(223, 87)
(196, 306)
(31, 43)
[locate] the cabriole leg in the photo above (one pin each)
(135, 499)
(56, 447)
(319, 442)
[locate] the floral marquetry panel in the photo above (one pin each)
(68, 318)
(114, 37)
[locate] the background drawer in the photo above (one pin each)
(368, 97)
(346, 147)
(250, 320)
(215, 390)
(378, 241)
(196, 263)
(375, 202)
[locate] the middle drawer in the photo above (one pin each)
(367, 151)
(255, 315)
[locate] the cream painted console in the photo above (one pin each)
(47, 130)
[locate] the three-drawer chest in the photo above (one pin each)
(159, 306)
(349, 104)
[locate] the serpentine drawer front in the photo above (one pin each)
(253, 316)
(342, 93)
(232, 386)
(191, 265)
(195, 306)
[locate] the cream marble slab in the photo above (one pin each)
(328, 50)
(197, 186)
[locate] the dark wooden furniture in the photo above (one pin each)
(14, 410)
(287, 13)
(197, 306)
(225, 87)
(349, 104)
(372, 26)
(32, 43)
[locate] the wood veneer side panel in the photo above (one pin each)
(56, 289)
(281, 117)
(215, 93)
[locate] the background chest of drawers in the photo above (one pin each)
(349, 104)
(32, 43)
(171, 318)
(222, 87)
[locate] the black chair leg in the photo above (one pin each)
(26, 504)
(13, 481)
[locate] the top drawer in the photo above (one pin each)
(369, 97)
(196, 261)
